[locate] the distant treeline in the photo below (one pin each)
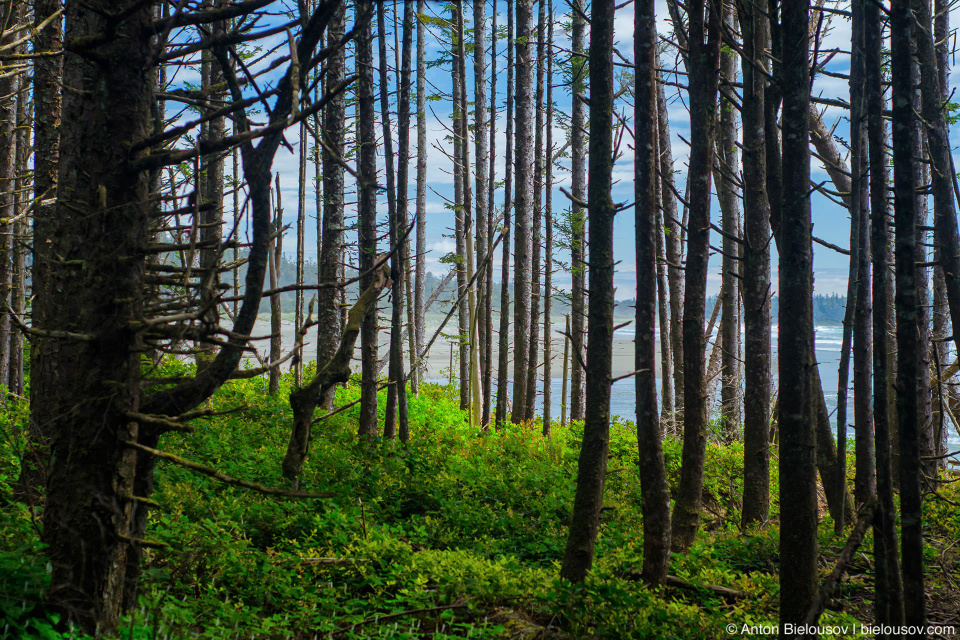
(827, 308)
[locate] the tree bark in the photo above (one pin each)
(46, 135)
(524, 211)
(729, 172)
(905, 145)
(421, 204)
(491, 225)
(331, 235)
(578, 259)
(483, 204)
(403, 174)
(548, 248)
(796, 357)
(367, 212)
(536, 239)
(756, 282)
(592, 467)
(865, 479)
(99, 219)
(672, 248)
(889, 593)
(396, 323)
(655, 491)
(704, 47)
(503, 351)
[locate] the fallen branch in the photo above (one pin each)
(678, 583)
(213, 473)
(399, 614)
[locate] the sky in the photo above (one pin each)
(830, 221)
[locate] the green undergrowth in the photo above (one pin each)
(458, 534)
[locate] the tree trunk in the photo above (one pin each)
(473, 376)
(548, 249)
(491, 225)
(460, 211)
(889, 594)
(522, 241)
(367, 212)
(483, 205)
(18, 293)
(704, 45)
(655, 491)
(276, 310)
(99, 222)
(331, 236)
(536, 235)
(865, 480)
(210, 184)
(304, 400)
(729, 172)
(578, 259)
(396, 322)
(796, 357)
(503, 350)
(905, 145)
(421, 205)
(756, 281)
(592, 467)
(403, 174)
(8, 200)
(672, 248)
(46, 143)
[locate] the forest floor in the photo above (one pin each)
(457, 535)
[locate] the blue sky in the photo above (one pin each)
(831, 222)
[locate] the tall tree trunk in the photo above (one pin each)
(941, 311)
(8, 200)
(331, 233)
(796, 356)
(905, 146)
(756, 281)
(403, 173)
(672, 248)
(503, 351)
(20, 230)
(889, 593)
(483, 205)
(524, 205)
(211, 192)
(729, 173)
(592, 467)
(548, 248)
(663, 321)
(276, 309)
(655, 491)
(578, 263)
(474, 352)
(491, 224)
(396, 322)
(367, 213)
(98, 219)
(421, 204)
(865, 479)
(460, 211)
(704, 46)
(46, 141)
(535, 242)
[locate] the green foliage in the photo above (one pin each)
(459, 534)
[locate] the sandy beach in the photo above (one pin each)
(438, 360)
